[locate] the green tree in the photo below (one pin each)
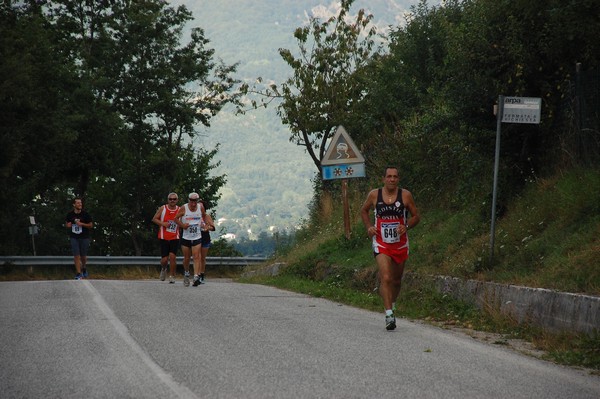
(131, 96)
(328, 78)
(432, 95)
(37, 125)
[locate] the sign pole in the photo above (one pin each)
(496, 167)
(33, 230)
(33, 244)
(511, 110)
(346, 208)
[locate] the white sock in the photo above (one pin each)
(389, 312)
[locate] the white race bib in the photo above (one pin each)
(193, 232)
(389, 232)
(172, 227)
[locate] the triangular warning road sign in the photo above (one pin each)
(342, 150)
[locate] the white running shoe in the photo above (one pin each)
(163, 273)
(186, 279)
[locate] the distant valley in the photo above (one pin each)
(269, 179)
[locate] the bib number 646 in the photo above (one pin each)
(389, 232)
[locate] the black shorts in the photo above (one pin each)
(190, 243)
(168, 247)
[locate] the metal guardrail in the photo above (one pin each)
(123, 260)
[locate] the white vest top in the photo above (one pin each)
(194, 230)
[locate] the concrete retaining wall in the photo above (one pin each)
(553, 310)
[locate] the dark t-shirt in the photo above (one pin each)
(78, 231)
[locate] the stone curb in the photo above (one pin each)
(270, 270)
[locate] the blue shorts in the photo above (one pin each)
(80, 246)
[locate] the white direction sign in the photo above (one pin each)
(522, 110)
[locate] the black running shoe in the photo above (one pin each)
(196, 281)
(390, 322)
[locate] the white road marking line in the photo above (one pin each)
(180, 390)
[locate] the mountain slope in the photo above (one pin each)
(269, 178)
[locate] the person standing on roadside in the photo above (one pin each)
(168, 235)
(79, 223)
(389, 234)
(190, 218)
(208, 226)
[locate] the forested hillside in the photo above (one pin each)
(124, 102)
(108, 83)
(426, 101)
(268, 179)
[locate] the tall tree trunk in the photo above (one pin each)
(84, 180)
(136, 241)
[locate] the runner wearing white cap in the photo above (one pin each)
(191, 218)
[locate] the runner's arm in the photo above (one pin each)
(409, 203)
(364, 212)
(156, 218)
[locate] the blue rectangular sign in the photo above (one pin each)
(344, 171)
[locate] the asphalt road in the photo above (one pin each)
(150, 339)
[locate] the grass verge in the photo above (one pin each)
(549, 237)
